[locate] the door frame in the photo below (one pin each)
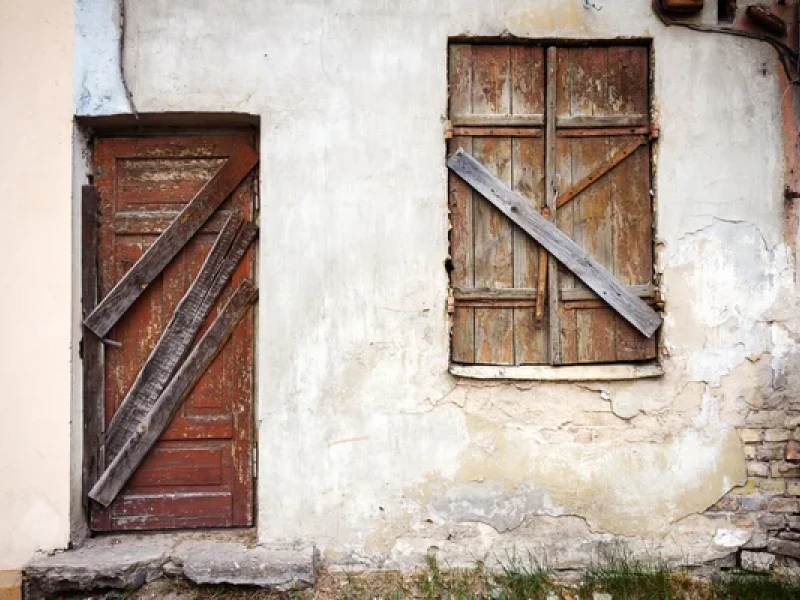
(85, 131)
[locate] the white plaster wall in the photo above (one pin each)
(367, 446)
(36, 40)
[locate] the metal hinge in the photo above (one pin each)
(255, 461)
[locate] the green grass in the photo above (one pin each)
(628, 578)
(743, 587)
(616, 572)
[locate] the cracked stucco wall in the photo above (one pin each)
(368, 447)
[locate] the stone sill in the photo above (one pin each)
(617, 372)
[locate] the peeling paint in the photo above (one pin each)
(368, 447)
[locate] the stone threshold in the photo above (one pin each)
(129, 561)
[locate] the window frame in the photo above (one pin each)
(554, 367)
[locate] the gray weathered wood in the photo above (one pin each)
(169, 243)
(572, 256)
(461, 294)
(554, 318)
(137, 446)
(601, 121)
(497, 120)
(646, 290)
(93, 350)
(228, 250)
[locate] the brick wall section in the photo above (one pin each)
(769, 500)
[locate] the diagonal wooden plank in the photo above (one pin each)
(138, 445)
(604, 168)
(228, 250)
(572, 256)
(169, 243)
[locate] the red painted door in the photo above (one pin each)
(199, 474)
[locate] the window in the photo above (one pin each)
(574, 121)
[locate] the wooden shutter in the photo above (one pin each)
(602, 111)
(497, 114)
(592, 145)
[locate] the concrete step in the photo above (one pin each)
(128, 562)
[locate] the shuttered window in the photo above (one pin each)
(568, 129)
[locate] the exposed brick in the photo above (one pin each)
(792, 419)
(750, 435)
(771, 451)
(771, 522)
(793, 450)
(753, 503)
(789, 535)
(772, 486)
(766, 418)
(784, 469)
(758, 469)
(729, 503)
(758, 541)
(796, 434)
(784, 505)
(750, 452)
(784, 548)
(777, 435)
(757, 562)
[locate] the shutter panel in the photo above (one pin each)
(496, 108)
(612, 218)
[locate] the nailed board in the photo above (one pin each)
(200, 471)
(517, 208)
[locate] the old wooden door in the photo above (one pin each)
(199, 473)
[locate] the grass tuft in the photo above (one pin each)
(752, 587)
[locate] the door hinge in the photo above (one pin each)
(255, 461)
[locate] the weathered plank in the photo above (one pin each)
(526, 132)
(230, 247)
(164, 249)
(601, 170)
(601, 121)
(462, 252)
(136, 448)
(464, 295)
(605, 132)
(541, 282)
(92, 346)
(527, 179)
(494, 266)
(560, 246)
(553, 97)
(500, 120)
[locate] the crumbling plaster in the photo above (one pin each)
(368, 447)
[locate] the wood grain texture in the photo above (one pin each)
(92, 346)
(217, 415)
(603, 169)
(606, 170)
(552, 84)
(228, 250)
(494, 257)
(560, 246)
(527, 178)
(136, 448)
(180, 231)
(462, 252)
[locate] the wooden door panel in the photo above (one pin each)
(199, 473)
